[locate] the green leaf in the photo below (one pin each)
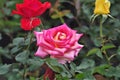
(117, 73)
(2, 2)
(101, 69)
(72, 66)
(93, 51)
(5, 52)
(56, 68)
(80, 76)
(84, 29)
(32, 78)
(54, 65)
(86, 75)
(59, 14)
(53, 62)
(59, 77)
(15, 50)
(99, 54)
(96, 41)
(10, 3)
(22, 57)
(18, 41)
(86, 63)
(113, 71)
(7, 11)
(69, 15)
(107, 46)
(35, 63)
(4, 69)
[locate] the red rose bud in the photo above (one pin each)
(49, 74)
(29, 23)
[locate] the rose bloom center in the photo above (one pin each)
(60, 36)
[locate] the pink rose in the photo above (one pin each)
(60, 43)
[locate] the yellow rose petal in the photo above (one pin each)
(102, 7)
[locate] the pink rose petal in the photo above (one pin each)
(41, 53)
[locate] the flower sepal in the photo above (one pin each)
(93, 17)
(104, 17)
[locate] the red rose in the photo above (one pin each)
(29, 10)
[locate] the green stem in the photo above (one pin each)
(24, 73)
(31, 36)
(102, 40)
(101, 33)
(42, 26)
(27, 49)
(61, 19)
(108, 61)
(68, 70)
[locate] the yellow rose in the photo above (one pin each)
(102, 7)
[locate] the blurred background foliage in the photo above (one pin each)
(17, 62)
